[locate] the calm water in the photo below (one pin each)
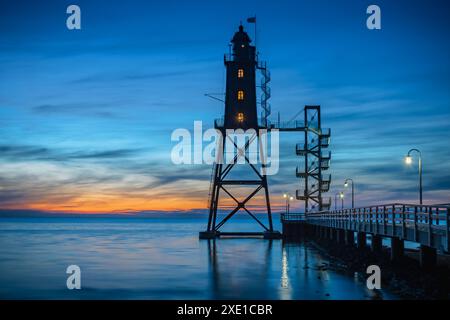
(130, 258)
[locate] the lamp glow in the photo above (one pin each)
(408, 159)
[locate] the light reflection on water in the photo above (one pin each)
(128, 258)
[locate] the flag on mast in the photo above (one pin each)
(251, 19)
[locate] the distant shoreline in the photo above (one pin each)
(120, 215)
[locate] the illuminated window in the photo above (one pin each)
(240, 117)
(240, 95)
(240, 73)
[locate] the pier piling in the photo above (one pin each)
(428, 257)
(361, 240)
(377, 243)
(397, 248)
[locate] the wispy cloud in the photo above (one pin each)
(74, 109)
(29, 153)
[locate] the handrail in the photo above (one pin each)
(392, 212)
(396, 214)
(292, 216)
(388, 205)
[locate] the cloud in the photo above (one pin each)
(110, 154)
(36, 153)
(22, 152)
(96, 110)
(127, 76)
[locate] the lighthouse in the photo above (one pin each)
(241, 114)
(240, 96)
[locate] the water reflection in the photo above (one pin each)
(239, 271)
(259, 269)
(286, 292)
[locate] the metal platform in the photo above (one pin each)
(218, 234)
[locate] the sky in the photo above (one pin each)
(86, 115)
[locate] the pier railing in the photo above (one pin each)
(426, 224)
(292, 217)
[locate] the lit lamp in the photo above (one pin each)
(408, 161)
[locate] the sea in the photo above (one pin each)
(163, 258)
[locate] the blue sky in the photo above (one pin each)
(86, 115)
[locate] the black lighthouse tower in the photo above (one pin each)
(240, 97)
(241, 112)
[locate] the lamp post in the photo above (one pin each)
(335, 201)
(353, 190)
(408, 161)
(288, 198)
(341, 196)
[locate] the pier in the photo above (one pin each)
(426, 225)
